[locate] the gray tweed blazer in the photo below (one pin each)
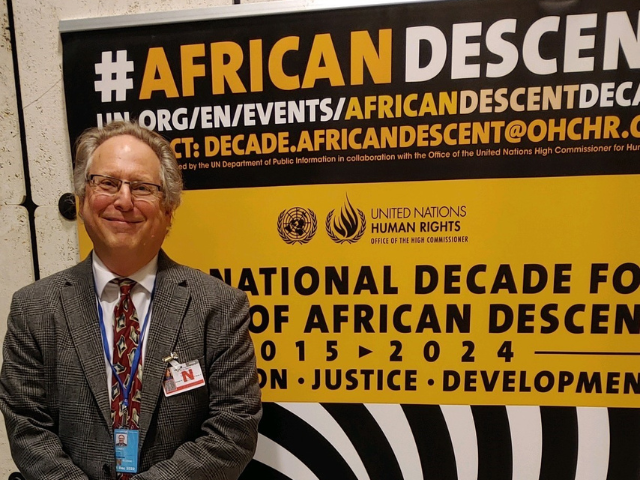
(53, 385)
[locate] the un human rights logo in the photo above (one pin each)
(346, 225)
(297, 225)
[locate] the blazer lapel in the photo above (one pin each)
(79, 304)
(168, 309)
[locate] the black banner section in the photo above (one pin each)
(556, 459)
(370, 442)
(420, 91)
(492, 429)
(559, 443)
(624, 461)
(432, 439)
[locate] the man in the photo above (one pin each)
(88, 350)
(122, 440)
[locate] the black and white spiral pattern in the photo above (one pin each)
(313, 441)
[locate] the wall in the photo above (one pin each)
(39, 53)
(15, 243)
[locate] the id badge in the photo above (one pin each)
(182, 377)
(126, 446)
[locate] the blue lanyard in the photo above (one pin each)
(136, 358)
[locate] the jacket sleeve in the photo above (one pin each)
(35, 445)
(230, 433)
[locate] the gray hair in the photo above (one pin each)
(92, 138)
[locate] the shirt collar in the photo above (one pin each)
(145, 277)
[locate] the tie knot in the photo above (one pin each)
(125, 284)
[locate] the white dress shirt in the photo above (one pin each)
(109, 293)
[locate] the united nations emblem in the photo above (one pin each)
(297, 225)
(348, 225)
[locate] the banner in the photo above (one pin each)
(432, 207)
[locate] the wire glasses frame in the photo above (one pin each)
(111, 185)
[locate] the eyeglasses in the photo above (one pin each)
(111, 185)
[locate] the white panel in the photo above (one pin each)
(246, 8)
(12, 189)
(41, 88)
(15, 242)
(395, 427)
(281, 460)
(593, 443)
(315, 415)
(17, 271)
(462, 430)
(526, 439)
(57, 240)
(15, 257)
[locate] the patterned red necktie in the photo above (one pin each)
(126, 335)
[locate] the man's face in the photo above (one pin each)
(121, 224)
